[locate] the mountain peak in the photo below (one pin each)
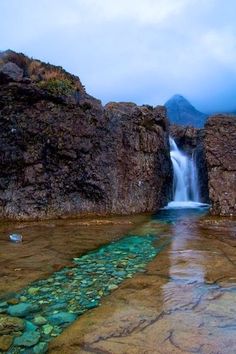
(181, 111)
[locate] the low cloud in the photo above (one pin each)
(143, 51)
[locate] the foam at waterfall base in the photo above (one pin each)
(186, 205)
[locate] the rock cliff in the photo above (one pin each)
(63, 154)
(220, 146)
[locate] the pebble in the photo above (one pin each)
(112, 287)
(40, 348)
(39, 320)
(13, 301)
(5, 342)
(33, 291)
(47, 329)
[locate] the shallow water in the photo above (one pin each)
(169, 286)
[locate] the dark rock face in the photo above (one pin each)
(190, 140)
(66, 155)
(220, 146)
(181, 112)
(140, 166)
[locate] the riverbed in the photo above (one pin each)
(170, 282)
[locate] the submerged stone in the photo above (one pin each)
(29, 326)
(33, 291)
(28, 339)
(22, 309)
(62, 317)
(40, 348)
(5, 342)
(13, 301)
(10, 324)
(39, 320)
(47, 329)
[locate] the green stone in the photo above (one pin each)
(112, 287)
(21, 310)
(33, 291)
(28, 339)
(47, 329)
(40, 348)
(62, 317)
(39, 320)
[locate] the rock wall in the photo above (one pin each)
(63, 154)
(220, 146)
(191, 140)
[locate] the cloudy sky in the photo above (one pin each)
(133, 50)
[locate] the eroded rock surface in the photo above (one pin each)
(220, 146)
(63, 154)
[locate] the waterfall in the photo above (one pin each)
(185, 184)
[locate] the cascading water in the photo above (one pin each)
(185, 184)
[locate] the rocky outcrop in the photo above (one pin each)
(138, 157)
(190, 140)
(220, 146)
(63, 154)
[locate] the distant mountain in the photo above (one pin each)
(181, 112)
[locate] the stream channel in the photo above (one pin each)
(143, 284)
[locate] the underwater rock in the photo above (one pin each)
(40, 348)
(22, 309)
(61, 317)
(13, 301)
(33, 290)
(29, 326)
(47, 329)
(39, 320)
(28, 339)
(5, 342)
(10, 324)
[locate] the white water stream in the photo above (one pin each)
(185, 184)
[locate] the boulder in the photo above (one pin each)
(220, 147)
(11, 72)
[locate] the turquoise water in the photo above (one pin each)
(46, 307)
(49, 305)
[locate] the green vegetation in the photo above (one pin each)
(62, 87)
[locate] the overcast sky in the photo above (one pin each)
(143, 51)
